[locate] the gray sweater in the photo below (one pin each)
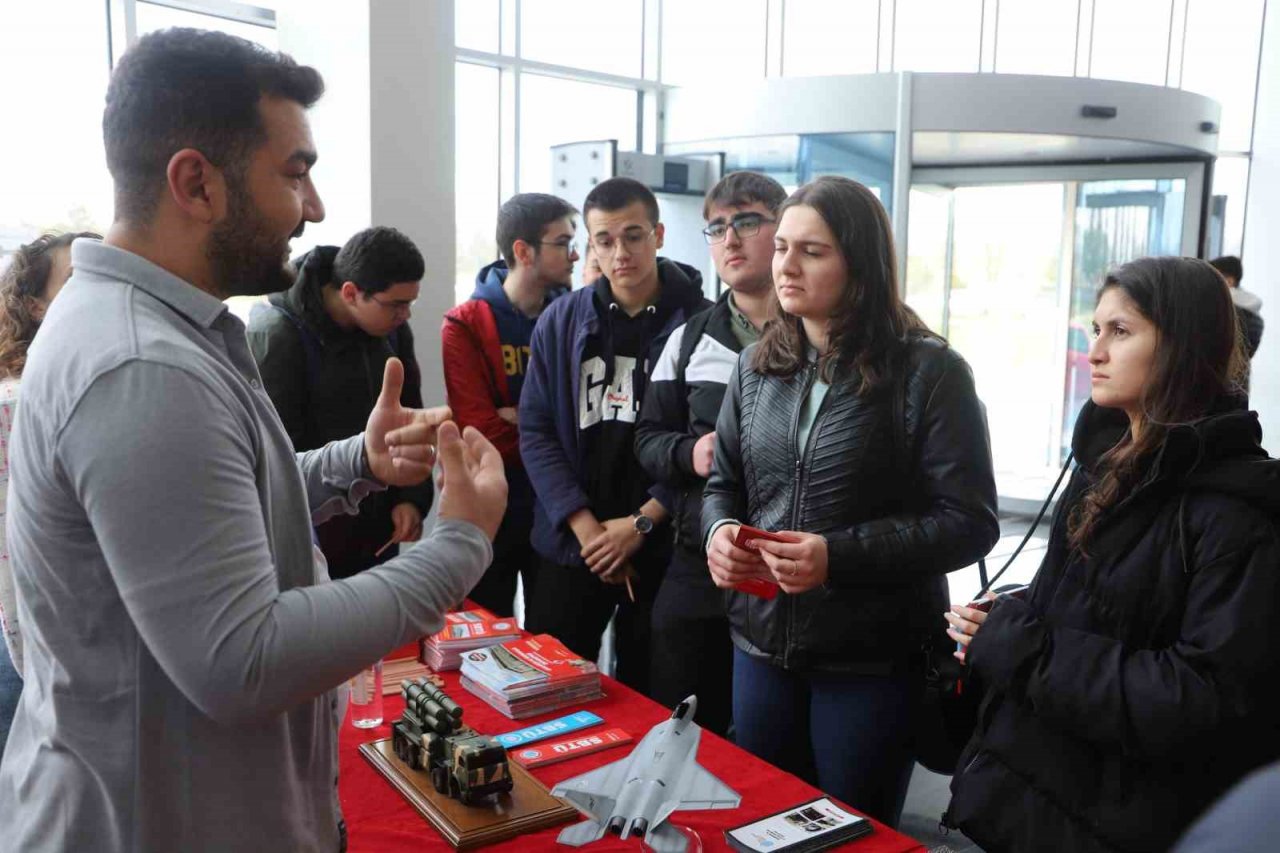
(181, 646)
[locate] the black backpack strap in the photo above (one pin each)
(310, 345)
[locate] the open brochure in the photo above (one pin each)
(816, 825)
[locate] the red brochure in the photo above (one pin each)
(759, 587)
(562, 750)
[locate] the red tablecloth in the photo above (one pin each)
(379, 819)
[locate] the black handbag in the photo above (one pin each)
(949, 710)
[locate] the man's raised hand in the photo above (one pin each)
(473, 483)
(400, 443)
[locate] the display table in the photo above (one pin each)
(378, 818)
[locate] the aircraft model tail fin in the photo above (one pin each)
(667, 839)
(581, 833)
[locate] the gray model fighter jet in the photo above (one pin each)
(636, 795)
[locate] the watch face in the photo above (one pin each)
(644, 523)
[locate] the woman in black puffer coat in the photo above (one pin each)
(1131, 687)
(858, 435)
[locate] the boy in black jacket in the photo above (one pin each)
(675, 441)
(321, 347)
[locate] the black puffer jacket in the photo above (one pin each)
(1132, 687)
(897, 513)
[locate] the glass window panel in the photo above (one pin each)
(705, 41)
(53, 172)
(863, 157)
(600, 35)
(151, 18)
(937, 35)
(927, 231)
(830, 37)
(1131, 41)
(1230, 183)
(554, 111)
(1005, 313)
(476, 172)
(1036, 37)
(475, 24)
(1221, 60)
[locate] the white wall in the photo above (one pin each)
(1261, 256)
(411, 96)
(384, 131)
(333, 37)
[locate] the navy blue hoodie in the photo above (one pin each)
(552, 422)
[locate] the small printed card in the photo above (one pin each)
(561, 750)
(559, 726)
(804, 828)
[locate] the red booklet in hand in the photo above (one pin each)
(746, 539)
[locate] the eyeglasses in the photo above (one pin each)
(606, 244)
(397, 306)
(567, 245)
(744, 225)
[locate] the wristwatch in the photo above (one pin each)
(642, 522)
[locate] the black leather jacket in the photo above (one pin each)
(897, 512)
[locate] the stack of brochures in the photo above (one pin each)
(464, 631)
(526, 677)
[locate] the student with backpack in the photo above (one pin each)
(485, 353)
(675, 440)
(321, 347)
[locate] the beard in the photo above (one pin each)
(245, 257)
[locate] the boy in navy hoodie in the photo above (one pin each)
(486, 351)
(600, 535)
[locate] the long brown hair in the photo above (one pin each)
(22, 289)
(871, 321)
(1198, 360)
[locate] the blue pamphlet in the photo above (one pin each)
(542, 731)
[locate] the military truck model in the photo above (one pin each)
(430, 736)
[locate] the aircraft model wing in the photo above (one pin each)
(705, 791)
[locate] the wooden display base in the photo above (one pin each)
(527, 808)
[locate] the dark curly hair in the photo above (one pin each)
(23, 285)
(185, 88)
(377, 258)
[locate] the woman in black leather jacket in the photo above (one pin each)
(1134, 683)
(857, 434)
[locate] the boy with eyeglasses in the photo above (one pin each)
(485, 354)
(675, 441)
(596, 526)
(321, 347)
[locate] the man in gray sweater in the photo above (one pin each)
(183, 641)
